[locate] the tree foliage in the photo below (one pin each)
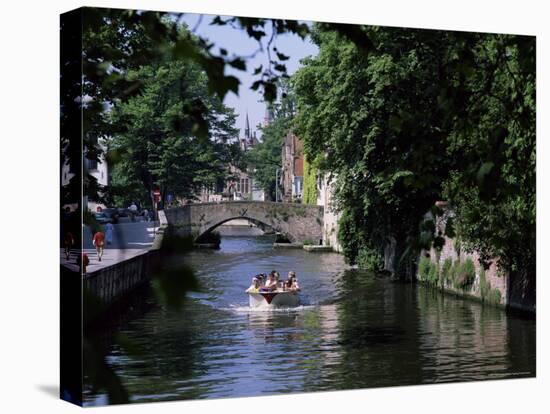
(492, 186)
(411, 117)
(158, 147)
(265, 158)
(114, 42)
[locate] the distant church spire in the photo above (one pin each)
(247, 128)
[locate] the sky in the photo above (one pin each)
(239, 43)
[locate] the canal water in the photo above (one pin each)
(354, 330)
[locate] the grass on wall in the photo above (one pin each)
(459, 275)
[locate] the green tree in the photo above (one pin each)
(157, 146)
(492, 187)
(409, 117)
(360, 114)
(114, 42)
(265, 158)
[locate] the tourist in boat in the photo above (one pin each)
(291, 282)
(271, 283)
(278, 282)
(295, 286)
(262, 278)
(255, 286)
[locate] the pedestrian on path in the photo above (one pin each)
(82, 261)
(133, 211)
(109, 233)
(98, 241)
(68, 242)
(146, 214)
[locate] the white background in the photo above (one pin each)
(29, 177)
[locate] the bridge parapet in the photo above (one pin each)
(298, 222)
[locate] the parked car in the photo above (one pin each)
(123, 212)
(103, 218)
(112, 213)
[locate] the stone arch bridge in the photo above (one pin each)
(297, 222)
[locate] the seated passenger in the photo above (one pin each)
(278, 282)
(289, 280)
(254, 287)
(271, 283)
(295, 286)
(292, 282)
(262, 277)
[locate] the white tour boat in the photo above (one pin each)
(274, 299)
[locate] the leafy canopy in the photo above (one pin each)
(411, 117)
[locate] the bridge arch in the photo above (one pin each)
(298, 222)
(259, 224)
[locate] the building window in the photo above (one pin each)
(238, 186)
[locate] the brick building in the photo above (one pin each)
(292, 174)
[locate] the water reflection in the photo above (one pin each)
(357, 330)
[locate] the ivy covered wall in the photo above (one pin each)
(310, 182)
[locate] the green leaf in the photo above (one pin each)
(257, 71)
(282, 56)
(270, 91)
(484, 170)
(238, 64)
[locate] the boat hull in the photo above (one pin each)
(274, 299)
